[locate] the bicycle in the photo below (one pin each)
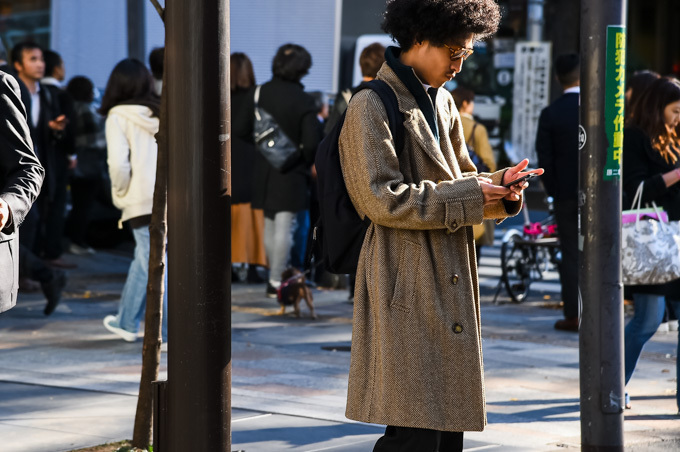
(527, 255)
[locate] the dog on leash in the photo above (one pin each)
(292, 290)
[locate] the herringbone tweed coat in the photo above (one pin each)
(416, 343)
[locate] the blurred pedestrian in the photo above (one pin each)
(21, 176)
(132, 107)
(247, 223)
(416, 360)
(56, 214)
(371, 60)
(557, 150)
(651, 151)
(87, 177)
(283, 195)
(44, 224)
(481, 153)
(156, 61)
(637, 84)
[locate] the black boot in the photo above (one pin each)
(52, 289)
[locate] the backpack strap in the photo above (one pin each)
(394, 115)
(471, 140)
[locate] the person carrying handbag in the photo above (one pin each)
(651, 155)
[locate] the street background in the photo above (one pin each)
(66, 383)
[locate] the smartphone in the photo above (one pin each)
(518, 180)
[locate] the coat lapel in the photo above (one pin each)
(414, 120)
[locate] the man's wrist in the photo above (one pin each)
(8, 226)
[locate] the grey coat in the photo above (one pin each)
(21, 177)
(416, 343)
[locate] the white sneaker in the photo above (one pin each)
(663, 328)
(109, 322)
(80, 250)
(672, 325)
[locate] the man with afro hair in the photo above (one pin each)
(416, 363)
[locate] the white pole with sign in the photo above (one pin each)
(531, 95)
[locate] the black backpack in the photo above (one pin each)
(339, 233)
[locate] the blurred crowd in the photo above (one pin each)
(99, 155)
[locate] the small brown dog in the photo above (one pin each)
(292, 290)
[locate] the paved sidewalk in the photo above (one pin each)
(66, 383)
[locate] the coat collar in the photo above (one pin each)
(415, 123)
(409, 78)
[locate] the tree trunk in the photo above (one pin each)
(151, 351)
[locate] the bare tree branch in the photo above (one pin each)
(159, 9)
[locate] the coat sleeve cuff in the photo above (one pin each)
(467, 208)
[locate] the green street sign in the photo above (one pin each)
(615, 87)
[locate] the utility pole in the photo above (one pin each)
(199, 221)
(136, 23)
(535, 20)
(603, 54)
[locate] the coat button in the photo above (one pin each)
(457, 328)
(454, 279)
(454, 225)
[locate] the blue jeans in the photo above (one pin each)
(278, 242)
(649, 312)
(133, 299)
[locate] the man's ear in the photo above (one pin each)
(17, 66)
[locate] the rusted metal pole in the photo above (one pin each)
(199, 284)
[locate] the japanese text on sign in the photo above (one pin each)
(614, 99)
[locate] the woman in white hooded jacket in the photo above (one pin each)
(131, 108)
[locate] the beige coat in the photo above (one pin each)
(416, 343)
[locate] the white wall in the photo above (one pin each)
(260, 27)
(91, 35)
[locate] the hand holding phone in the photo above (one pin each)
(519, 180)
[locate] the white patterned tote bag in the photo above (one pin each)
(650, 246)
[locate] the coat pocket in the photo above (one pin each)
(405, 286)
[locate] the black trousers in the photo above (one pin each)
(54, 215)
(31, 266)
(407, 439)
(566, 214)
(83, 196)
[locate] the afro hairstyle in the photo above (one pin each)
(439, 21)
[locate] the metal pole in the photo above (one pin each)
(199, 274)
(136, 23)
(601, 136)
(535, 20)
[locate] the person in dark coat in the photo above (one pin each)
(90, 173)
(557, 150)
(21, 177)
(247, 224)
(651, 155)
(44, 225)
(283, 195)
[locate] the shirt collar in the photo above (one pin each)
(573, 89)
(51, 81)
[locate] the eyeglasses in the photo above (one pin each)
(459, 52)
